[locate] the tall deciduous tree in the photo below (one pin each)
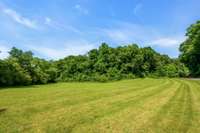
(190, 49)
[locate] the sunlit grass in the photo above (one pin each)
(140, 105)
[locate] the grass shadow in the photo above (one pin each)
(2, 110)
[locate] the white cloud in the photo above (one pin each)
(81, 9)
(66, 27)
(137, 8)
(59, 26)
(168, 42)
(4, 50)
(69, 48)
(19, 18)
(118, 35)
(124, 32)
(77, 6)
(48, 20)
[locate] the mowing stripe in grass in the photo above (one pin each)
(129, 116)
(110, 108)
(90, 97)
(81, 100)
(52, 112)
(71, 93)
(177, 114)
(143, 105)
(196, 105)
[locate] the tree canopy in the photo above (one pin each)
(190, 49)
(103, 64)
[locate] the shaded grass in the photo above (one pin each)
(141, 105)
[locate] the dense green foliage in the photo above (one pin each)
(102, 64)
(108, 63)
(191, 49)
(21, 68)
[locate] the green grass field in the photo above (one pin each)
(140, 105)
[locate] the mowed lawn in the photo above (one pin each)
(127, 106)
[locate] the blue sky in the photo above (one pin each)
(53, 29)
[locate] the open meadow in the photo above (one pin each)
(99, 66)
(140, 105)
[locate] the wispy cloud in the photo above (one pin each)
(17, 17)
(168, 42)
(81, 9)
(118, 35)
(137, 8)
(47, 21)
(123, 32)
(59, 26)
(126, 33)
(69, 48)
(4, 49)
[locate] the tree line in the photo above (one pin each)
(103, 64)
(190, 49)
